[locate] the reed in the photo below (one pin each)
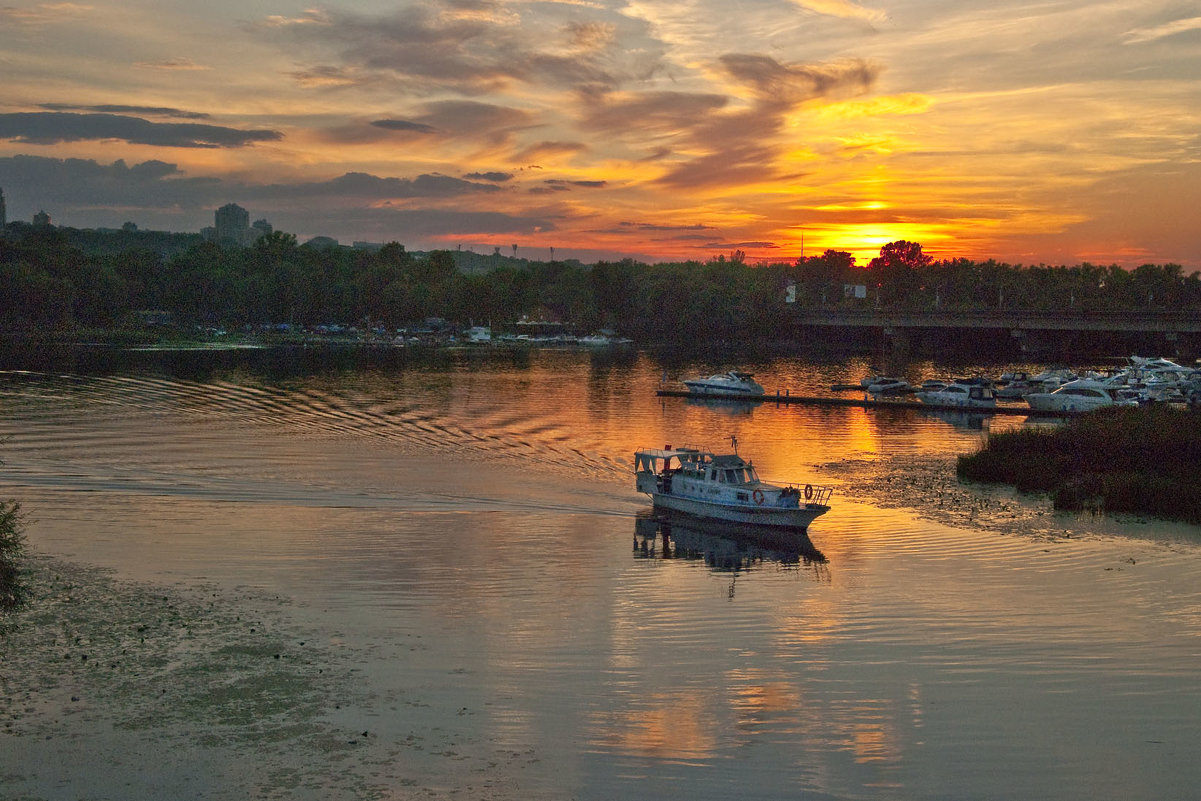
(1120, 459)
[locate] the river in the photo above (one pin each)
(462, 528)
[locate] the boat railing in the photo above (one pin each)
(812, 493)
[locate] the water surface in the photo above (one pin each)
(469, 523)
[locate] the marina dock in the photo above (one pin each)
(787, 397)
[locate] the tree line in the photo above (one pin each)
(51, 284)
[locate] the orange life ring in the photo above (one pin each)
(758, 495)
(808, 491)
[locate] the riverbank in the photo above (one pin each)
(112, 689)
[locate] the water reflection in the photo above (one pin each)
(970, 421)
(724, 405)
(723, 547)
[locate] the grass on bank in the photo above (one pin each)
(1144, 460)
(12, 545)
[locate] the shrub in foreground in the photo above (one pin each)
(12, 543)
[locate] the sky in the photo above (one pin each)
(1027, 131)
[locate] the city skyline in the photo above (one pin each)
(1056, 133)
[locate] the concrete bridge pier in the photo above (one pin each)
(1185, 347)
(898, 342)
(1030, 344)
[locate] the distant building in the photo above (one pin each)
(3, 213)
(233, 224)
(261, 228)
(41, 220)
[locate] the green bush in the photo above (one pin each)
(12, 545)
(1119, 459)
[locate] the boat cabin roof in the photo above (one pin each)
(657, 458)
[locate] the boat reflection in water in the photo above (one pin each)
(724, 405)
(722, 546)
(972, 421)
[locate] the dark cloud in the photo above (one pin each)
(559, 182)
(498, 177)
(728, 245)
(544, 150)
(737, 163)
(428, 46)
(492, 124)
(404, 125)
(776, 84)
(653, 112)
(429, 222)
(48, 128)
(384, 224)
(82, 183)
(156, 111)
(466, 120)
(371, 187)
(650, 227)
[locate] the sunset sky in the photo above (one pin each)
(1052, 131)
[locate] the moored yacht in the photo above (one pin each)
(961, 393)
(734, 383)
(886, 385)
(1081, 395)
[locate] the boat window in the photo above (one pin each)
(730, 477)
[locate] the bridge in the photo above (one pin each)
(1026, 332)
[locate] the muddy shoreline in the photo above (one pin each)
(111, 689)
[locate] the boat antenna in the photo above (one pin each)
(734, 443)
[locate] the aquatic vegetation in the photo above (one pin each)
(1121, 459)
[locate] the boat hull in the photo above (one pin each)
(1047, 402)
(797, 518)
(717, 391)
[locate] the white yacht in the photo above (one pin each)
(724, 487)
(1052, 377)
(1015, 385)
(1081, 395)
(962, 393)
(884, 385)
(732, 384)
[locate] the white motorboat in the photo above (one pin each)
(1081, 395)
(1016, 385)
(961, 393)
(599, 340)
(479, 334)
(884, 385)
(1052, 377)
(724, 487)
(732, 384)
